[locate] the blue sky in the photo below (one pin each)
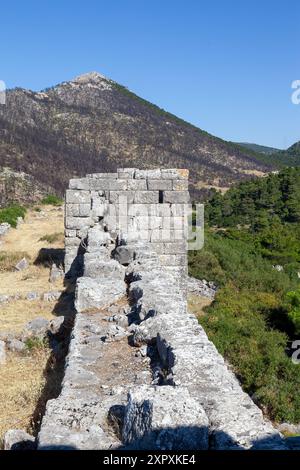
(226, 66)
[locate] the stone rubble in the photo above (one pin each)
(22, 264)
(4, 228)
(201, 287)
(18, 439)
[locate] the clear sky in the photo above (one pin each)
(224, 65)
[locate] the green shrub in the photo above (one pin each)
(52, 200)
(237, 324)
(36, 343)
(293, 308)
(10, 214)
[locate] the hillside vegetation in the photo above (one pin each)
(93, 124)
(252, 251)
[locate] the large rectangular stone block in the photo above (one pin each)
(70, 233)
(103, 175)
(78, 222)
(137, 185)
(121, 196)
(161, 210)
(174, 222)
(160, 185)
(74, 196)
(146, 197)
(126, 173)
(173, 260)
(176, 197)
(78, 210)
(145, 174)
(72, 241)
(166, 235)
(180, 209)
(108, 184)
(175, 248)
(174, 174)
(99, 209)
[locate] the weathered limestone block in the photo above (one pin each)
(103, 175)
(78, 210)
(22, 264)
(96, 294)
(123, 196)
(126, 173)
(145, 174)
(137, 185)
(172, 260)
(176, 174)
(146, 197)
(175, 247)
(124, 254)
(36, 328)
(108, 184)
(164, 418)
(97, 238)
(78, 222)
(72, 241)
(161, 210)
(167, 235)
(79, 183)
(180, 209)
(176, 197)
(159, 185)
(70, 232)
(99, 206)
(174, 222)
(74, 196)
(82, 232)
(56, 272)
(17, 439)
(97, 268)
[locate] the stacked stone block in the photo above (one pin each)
(131, 204)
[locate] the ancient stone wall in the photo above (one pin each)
(148, 205)
(141, 372)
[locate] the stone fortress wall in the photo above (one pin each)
(141, 372)
(148, 205)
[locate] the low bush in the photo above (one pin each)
(10, 214)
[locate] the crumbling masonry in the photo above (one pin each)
(141, 372)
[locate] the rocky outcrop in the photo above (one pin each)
(201, 287)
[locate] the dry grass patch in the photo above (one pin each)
(28, 236)
(197, 303)
(34, 278)
(8, 259)
(21, 383)
(53, 238)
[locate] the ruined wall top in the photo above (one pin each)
(130, 204)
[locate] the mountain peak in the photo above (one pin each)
(90, 77)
